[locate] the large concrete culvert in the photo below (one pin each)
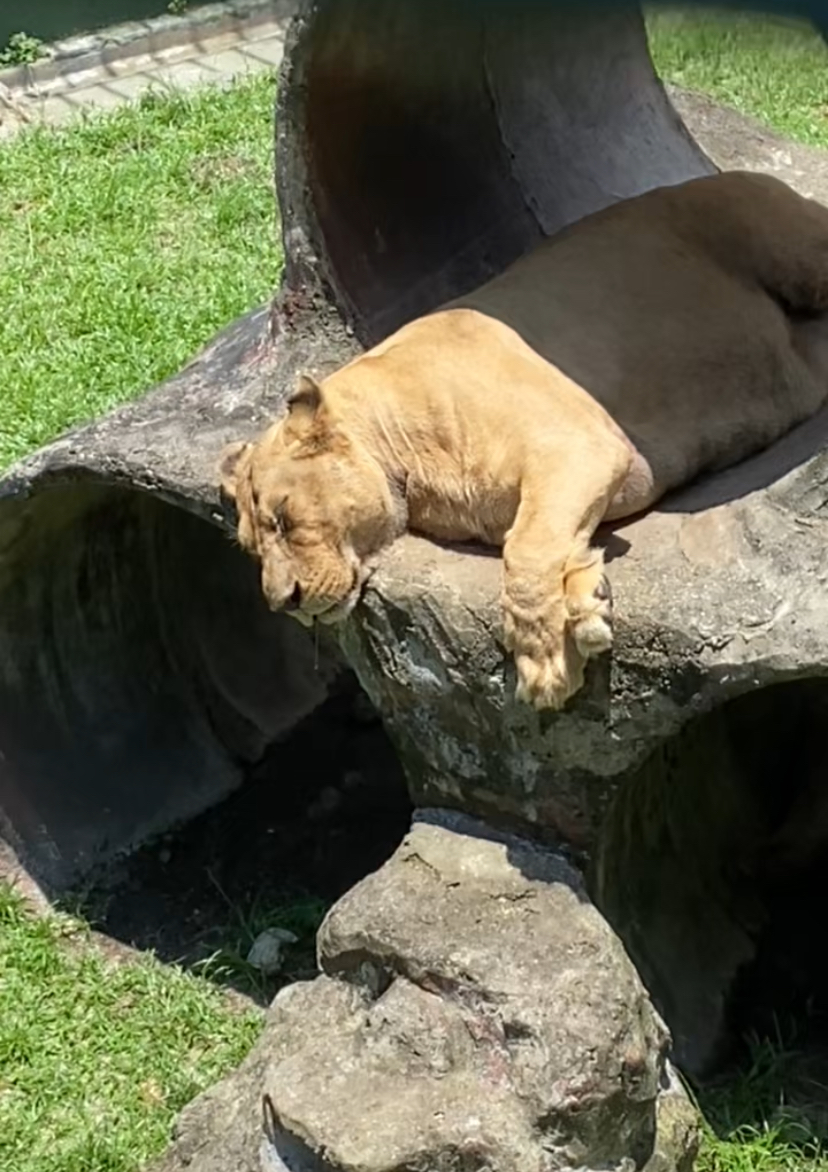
(420, 148)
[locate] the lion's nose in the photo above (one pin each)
(295, 600)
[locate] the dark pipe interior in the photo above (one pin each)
(140, 671)
(324, 805)
(442, 142)
(713, 867)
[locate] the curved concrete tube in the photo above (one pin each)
(419, 150)
(139, 668)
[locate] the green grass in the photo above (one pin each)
(298, 912)
(130, 238)
(127, 240)
(771, 1116)
(96, 1056)
(774, 69)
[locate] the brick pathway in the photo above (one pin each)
(250, 46)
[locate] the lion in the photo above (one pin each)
(666, 336)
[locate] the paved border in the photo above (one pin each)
(89, 51)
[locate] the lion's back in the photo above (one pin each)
(693, 360)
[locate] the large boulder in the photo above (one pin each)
(475, 1011)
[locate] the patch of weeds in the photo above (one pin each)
(769, 1116)
(297, 912)
(21, 49)
(98, 1056)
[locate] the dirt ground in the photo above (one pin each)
(322, 809)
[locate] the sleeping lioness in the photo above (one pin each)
(668, 335)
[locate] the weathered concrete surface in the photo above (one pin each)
(475, 1012)
(718, 591)
(721, 591)
(139, 671)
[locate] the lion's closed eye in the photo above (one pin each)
(282, 519)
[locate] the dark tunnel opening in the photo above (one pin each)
(712, 867)
(165, 684)
(434, 162)
(196, 762)
(324, 805)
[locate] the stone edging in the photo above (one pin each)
(89, 50)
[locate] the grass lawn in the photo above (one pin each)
(775, 69)
(127, 241)
(771, 1117)
(96, 1056)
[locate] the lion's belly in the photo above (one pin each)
(638, 491)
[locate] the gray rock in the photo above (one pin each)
(475, 1012)
(267, 950)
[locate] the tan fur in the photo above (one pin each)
(666, 336)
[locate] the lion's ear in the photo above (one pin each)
(305, 406)
(306, 401)
(229, 467)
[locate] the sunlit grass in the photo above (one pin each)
(127, 240)
(772, 68)
(98, 1056)
(771, 1115)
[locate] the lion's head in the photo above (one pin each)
(313, 507)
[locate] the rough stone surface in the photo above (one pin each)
(475, 1012)
(718, 591)
(155, 672)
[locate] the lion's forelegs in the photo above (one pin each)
(556, 604)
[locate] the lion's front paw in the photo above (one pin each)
(552, 639)
(589, 607)
(548, 681)
(550, 667)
